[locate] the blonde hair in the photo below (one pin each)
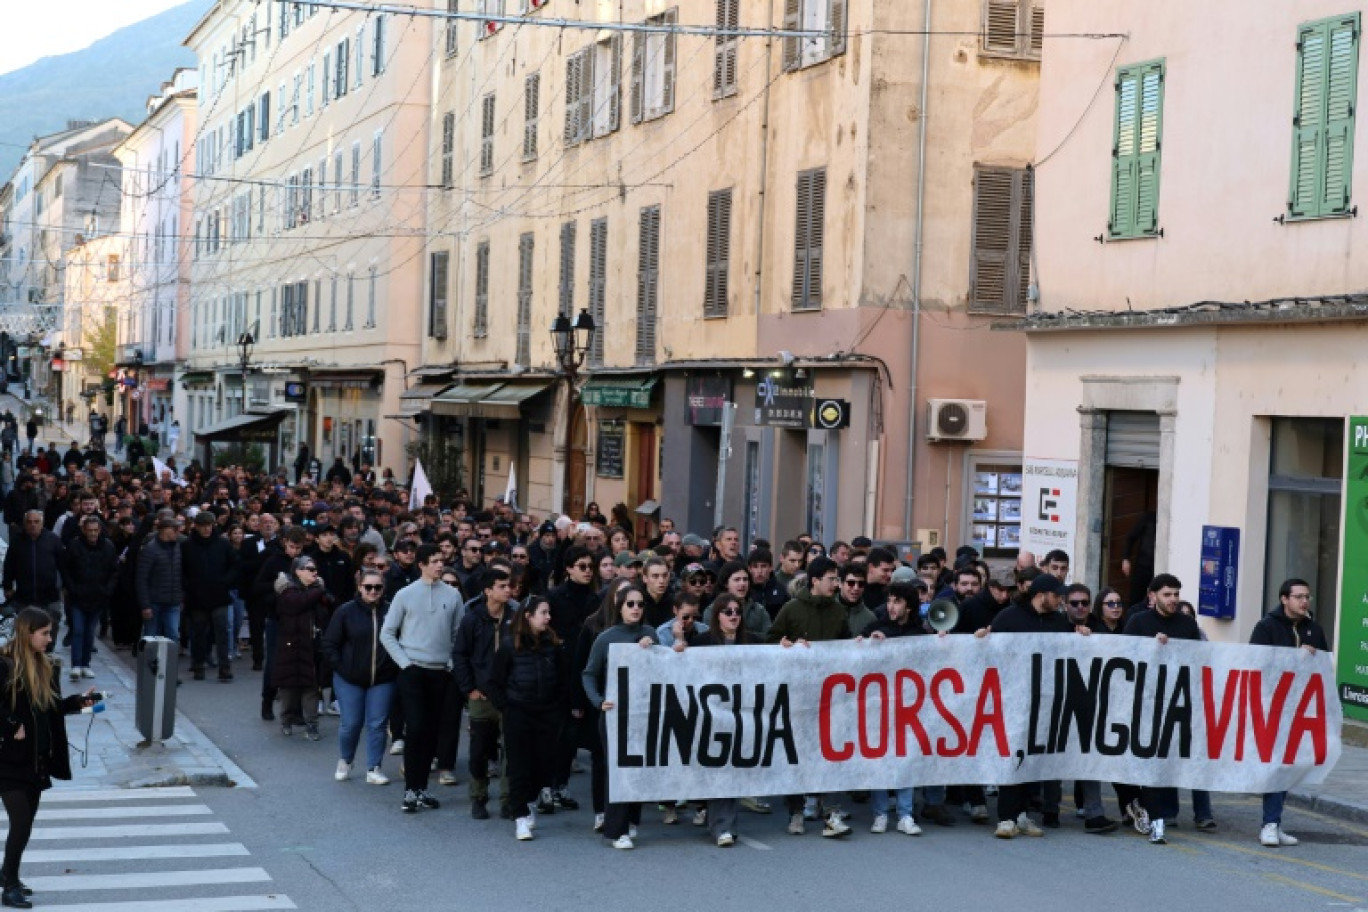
(32, 671)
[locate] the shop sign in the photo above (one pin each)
(1049, 517)
(708, 398)
(831, 414)
(1351, 652)
(609, 449)
(780, 402)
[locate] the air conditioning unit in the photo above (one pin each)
(952, 420)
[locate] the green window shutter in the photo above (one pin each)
(1137, 144)
(1340, 96)
(1323, 120)
(1308, 123)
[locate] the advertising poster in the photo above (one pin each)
(1351, 652)
(1049, 500)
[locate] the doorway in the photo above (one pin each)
(576, 463)
(643, 477)
(1131, 505)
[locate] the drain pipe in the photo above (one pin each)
(917, 274)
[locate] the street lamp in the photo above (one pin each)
(244, 345)
(572, 342)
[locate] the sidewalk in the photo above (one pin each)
(1344, 793)
(116, 759)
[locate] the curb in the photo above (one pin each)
(1330, 806)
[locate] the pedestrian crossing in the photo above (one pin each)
(140, 850)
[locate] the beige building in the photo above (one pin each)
(98, 291)
(308, 232)
(763, 220)
(1201, 301)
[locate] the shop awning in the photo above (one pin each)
(252, 428)
(486, 400)
(419, 399)
(197, 378)
(618, 392)
(357, 379)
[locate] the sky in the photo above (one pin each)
(41, 28)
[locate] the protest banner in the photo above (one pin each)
(764, 720)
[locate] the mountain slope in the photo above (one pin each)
(111, 78)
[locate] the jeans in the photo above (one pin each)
(1273, 807)
(362, 707)
(1090, 794)
(85, 625)
(205, 625)
(878, 801)
(165, 622)
(236, 616)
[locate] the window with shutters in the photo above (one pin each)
(653, 69)
(531, 115)
(451, 31)
(566, 300)
(448, 146)
(598, 284)
(578, 80)
(376, 144)
(828, 18)
(347, 324)
(526, 248)
(718, 253)
(593, 92)
(648, 285)
(481, 323)
(726, 48)
(1323, 119)
(378, 45)
(1137, 145)
(1000, 271)
(356, 174)
(327, 79)
(1013, 28)
(487, 135)
(437, 294)
(264, 116)
(372, 293)
(809, 228)
(342, 59)
(489, 27)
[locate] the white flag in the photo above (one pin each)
(420, 488)
(511, 492)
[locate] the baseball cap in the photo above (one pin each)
(204, 518)
(693, 541)
(546, 528)
(1046, 583)
(626, 559)
(404, 544)
(696, 569)
(904, 574)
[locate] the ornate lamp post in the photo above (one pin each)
(572, 341)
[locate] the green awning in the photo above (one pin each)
(486, 400)
(197, 378)
(625, 392)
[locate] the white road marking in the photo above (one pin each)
(211, 904)
(136, 830)
(136, 853)
(747, 841)
(64, 795)
(118, 813)
(147, 880)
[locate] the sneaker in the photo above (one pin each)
(333, 709)
(1206, 825)
(1081, 814)
(978, 813)
(811, 810)
(623, 842)
(545, 804)
(343, 771)
(1139, 817)
(522, 829)
(756, 806)
(670, 816)
(87, 673)
(425, 800)
(632, 830)
(880, 824)
(576, 766)
(287, 729)
(598, 823)
(532, 815)
(478, 811)
(447, 777)
(908, 827)
(311, 731)
(1099, 825)
(700, 817)
(1006, 829)
(1050, 819)
(726, 841)
(835, 827)
(1156, 832)
(74, 674)
(796, 825)
(940, 815)
(375, 777)
(1026, 826)
(561, 800)
(410, 804)
(397, 748)
(1272, 835)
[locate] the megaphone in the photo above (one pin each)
(942, 615)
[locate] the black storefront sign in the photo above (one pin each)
(708, 398)
(609, 450)
(782, 402)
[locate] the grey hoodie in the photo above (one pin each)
(420, 627)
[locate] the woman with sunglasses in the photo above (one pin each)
(301, 605)
(628, 613)
(364, 676)
(734, 580)
(1109, 612)
(814, 550)
(585, 715)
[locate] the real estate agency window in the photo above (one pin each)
(994, 503)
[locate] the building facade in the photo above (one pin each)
(757, 224)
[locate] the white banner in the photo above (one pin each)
(763, 720)
(1049, 498)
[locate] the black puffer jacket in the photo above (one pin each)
(90, 573)
(352, 645)
(472, 655)
(530, 679)
(1277, 629)
(210, 570)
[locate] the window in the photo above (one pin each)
(356, 174)
(451, 31)
(360, 68)
(322, 188)
(827, 16)
(567, 269)
(489, 8)
(347, 324)
(487, 135)
(1136, 146)
(531, 115)
(481, 327)
(338, 183)
(726, 49)
(653, 69)
(309, 92)
(280, 109)
(343, 58)
(327, 78)
(332, 306)
(378, 46)
(526, 248)
(294, 99)
(598, 275)
(448, 146)
(718, 253)
(112, 268)
(579, 80)
(1013, 28)
(995, 509)
(375, 164)
(437, 295)
(372, 289)
(1323, 121)
(810, 225)
(648, 284)
(318, 303)
(1001, 271)
(264, 116)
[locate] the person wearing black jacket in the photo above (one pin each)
(530, 686)
(335, 568)
(1163, 622)
(208, 568)
(276, 559)
(90, 570)
(363, 676)
(22, 498)
(1288, 626)
(403, 569)
(31, 569)
(250, 555)
(765, 588)
(572, 602)
(478, 636)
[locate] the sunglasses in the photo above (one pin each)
(686, 618)
(634, 603)
(583, 567)
(310, 569)
(1079, 603)
(371, 587)
(855, 583)
(729, 612)
(1112, 603)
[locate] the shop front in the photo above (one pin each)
(500, 430)
(346, 408)
(624, 421)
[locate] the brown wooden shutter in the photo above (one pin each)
(1000, 19)
(715, 296)
(638, 101)
(648, 284)
(598, 272)
(809, 230)
(667, 101)
(1001, 273)
(793, 47)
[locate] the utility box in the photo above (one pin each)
(157, 661)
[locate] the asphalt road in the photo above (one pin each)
(329, 846)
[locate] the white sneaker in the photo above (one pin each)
(397, 748)
(598, 823)
(1006, 829)
(87, 673)
(333, 708)
(796, 824)
(1026, 826)
(908, 827)
(632, 830)
(835, 826)
(1272, 836)
(532, 814)
(979, 813)
(623, 842)
(523, 829)
(726, 841)
(1156, 832)
(880, 824)
(1139, 817)
(810, 809)
(700, 817)
(669, 816)
(74, 674)
(375, 777)
(343, 771)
